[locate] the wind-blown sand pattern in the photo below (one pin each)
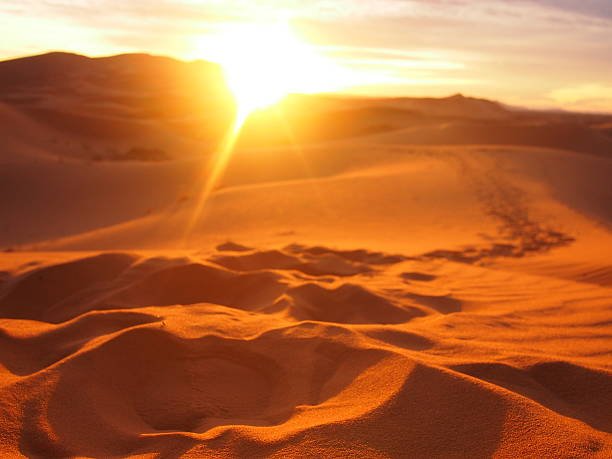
(367, 296)
(306, 349)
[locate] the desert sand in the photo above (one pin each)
(383, 278)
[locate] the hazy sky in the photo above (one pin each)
(545, 53)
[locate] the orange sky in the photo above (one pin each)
(539, 53)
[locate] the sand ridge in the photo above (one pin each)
(157, 355)
(419, 278)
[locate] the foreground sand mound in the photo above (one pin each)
(34, 295)
(289, 353)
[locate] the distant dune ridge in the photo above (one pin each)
(379, 278)
(85, 107)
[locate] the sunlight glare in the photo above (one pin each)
(265, 62)
(262, 63)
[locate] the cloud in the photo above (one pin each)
(588, 96)
(600, 9)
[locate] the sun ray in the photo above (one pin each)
(262, 64)
(216, 168)
(297, 149)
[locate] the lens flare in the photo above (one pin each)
(262, 63)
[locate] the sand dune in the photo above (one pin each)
(424, 278)
(129, 354)
(99, 108)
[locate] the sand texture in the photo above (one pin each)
(410, 278)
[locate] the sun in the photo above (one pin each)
(265, 62)
(262, 63)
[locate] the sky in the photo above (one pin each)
(534, 53)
